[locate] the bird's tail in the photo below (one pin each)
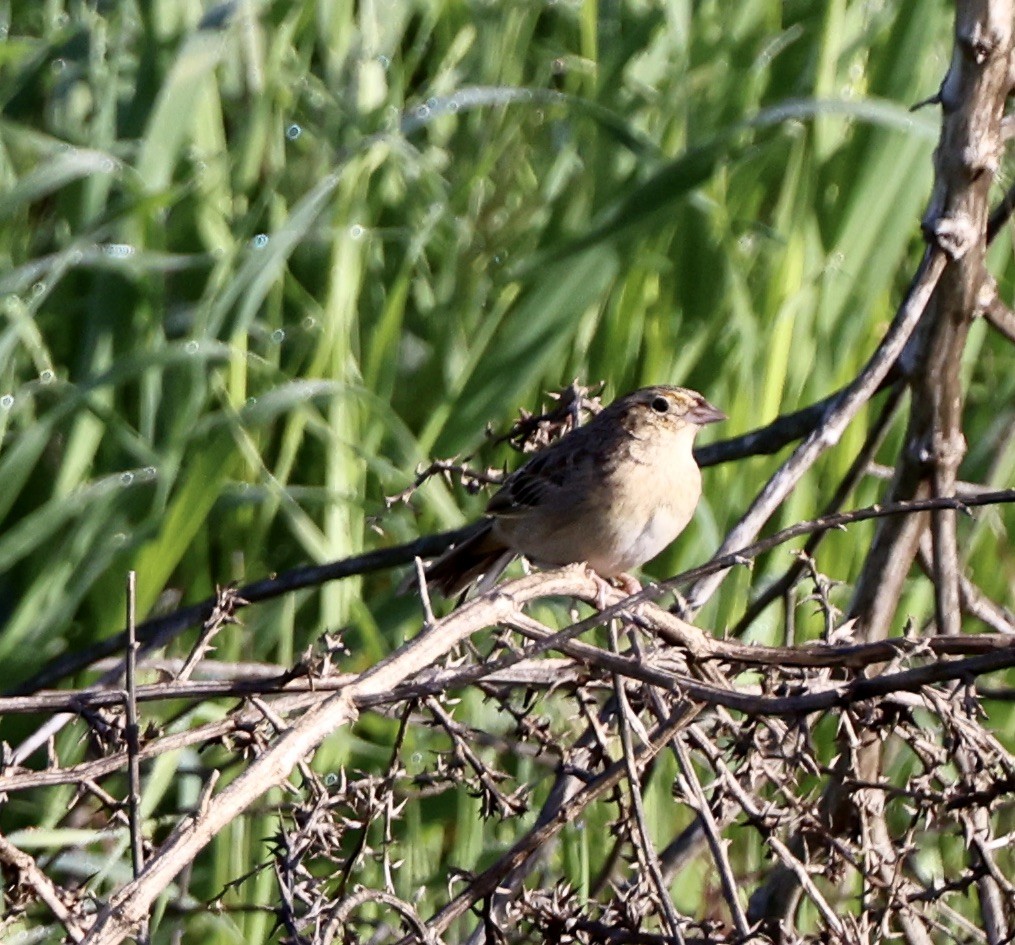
(478, 555)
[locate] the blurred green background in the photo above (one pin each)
(259, 260)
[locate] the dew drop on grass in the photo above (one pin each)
(126, 479)
(7, 401)
(191, 347)
(309, 322)
(356, 232)
(46, 377)
(330, 779)
(118, 250)
(260, 241)
(58, 65)
(293, 131)
(278, 335)
(38, 289)
(384, 61)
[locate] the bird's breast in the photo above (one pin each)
(651, 511)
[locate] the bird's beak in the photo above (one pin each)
(704, 413)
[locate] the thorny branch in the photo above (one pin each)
(390, 683)
(587, 728)
(806, 687)
(956, 224)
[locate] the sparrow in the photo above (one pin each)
(612, 494)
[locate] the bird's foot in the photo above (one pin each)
(628, 583)
(625, 582)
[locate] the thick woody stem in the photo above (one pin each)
(972, 98)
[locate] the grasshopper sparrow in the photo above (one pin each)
(612, 493)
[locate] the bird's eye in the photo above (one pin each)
(660, 405)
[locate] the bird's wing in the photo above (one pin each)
(543, 478)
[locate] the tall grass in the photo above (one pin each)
(259, 260)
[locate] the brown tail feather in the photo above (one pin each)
(460, 567)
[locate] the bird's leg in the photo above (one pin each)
(603, 586)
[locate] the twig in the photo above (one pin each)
(494, 800)
(571, 776)
(345, 908)
(807, 884)
(160, 630)
(696, 794)
(642, 837)
(30, 875)
(471, 479)
(359, 844)
(132, 733)
(131, 902)
(227, 602)
(1001, 318)
(781, 586)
